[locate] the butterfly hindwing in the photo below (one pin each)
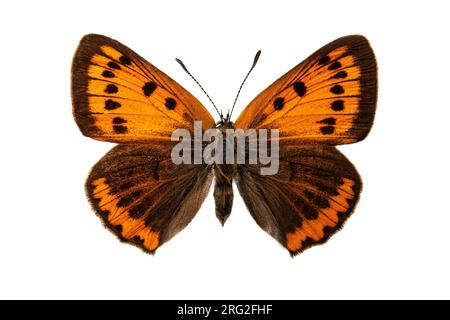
(120, 97)
(143, 197)
(307, 201)
(330, 97)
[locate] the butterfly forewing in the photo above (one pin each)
(330, 97)
(120, 97)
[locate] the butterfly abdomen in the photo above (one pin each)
(223, 190)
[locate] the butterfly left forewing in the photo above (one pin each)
(307, 201)
(330, 97)
(120, 97)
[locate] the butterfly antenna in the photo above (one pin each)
(204, 91)
(242, 84)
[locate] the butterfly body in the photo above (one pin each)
(145, 198)
(224, 174)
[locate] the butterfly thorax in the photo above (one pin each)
(224, 174)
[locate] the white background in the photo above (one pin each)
(396, 245)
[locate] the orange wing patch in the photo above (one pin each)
(120, 97)
(131, 230)
(328, 220)
(330, 97)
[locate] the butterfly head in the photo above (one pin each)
(224, 122)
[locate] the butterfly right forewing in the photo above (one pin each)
(328, 98)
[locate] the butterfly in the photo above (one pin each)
(145, 199)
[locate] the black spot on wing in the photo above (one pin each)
(340, 75)
(330, 191)
(337, 89)
(111, 88)
(278, 104)
(113, 65)
(300, 88)
(329, 121)
(118, 228)
(335, 65)
(170, 103)
(324, 60)
(112, 105)
(149, 88)
(119, 129)
(337, 105)
(119, 120)
(137, 240)
(121, 187)
(305, 209)
(139, 209)
(125, 201)
(316, 199)
(327, 130)
(125, 60)
(108, 74)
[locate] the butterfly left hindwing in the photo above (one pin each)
(143, 197)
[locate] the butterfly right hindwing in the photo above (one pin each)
(307, 201)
